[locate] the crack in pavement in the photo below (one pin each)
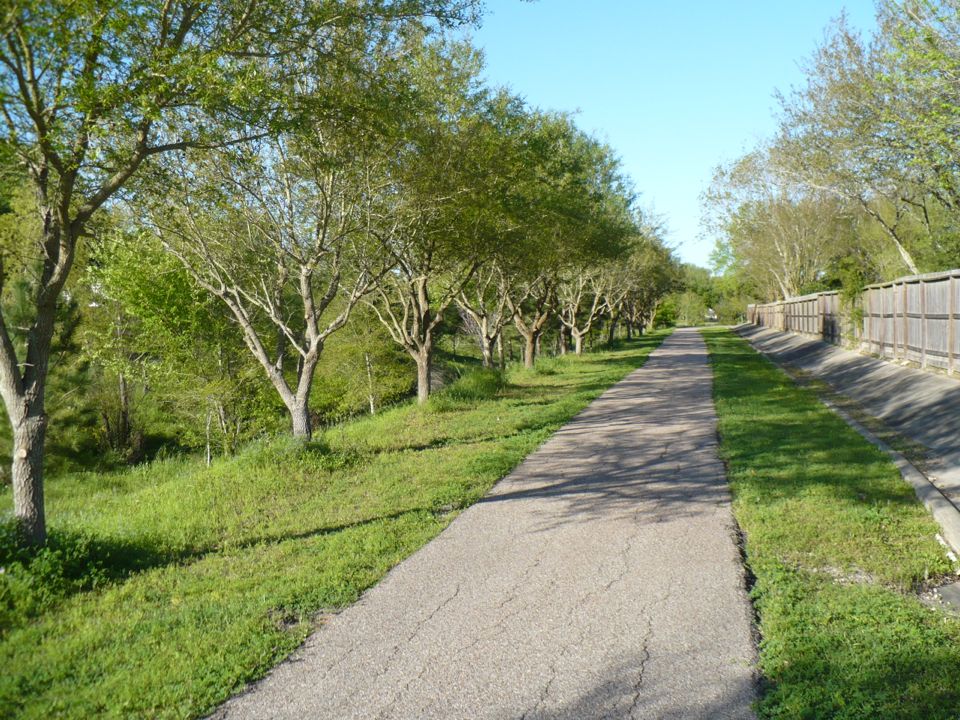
(644, 659)
(416, 630)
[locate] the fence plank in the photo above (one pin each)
(924, 332)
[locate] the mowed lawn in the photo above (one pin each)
(839, 547)
(169, 586)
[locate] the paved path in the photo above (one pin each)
(922, 406)
(599, 580)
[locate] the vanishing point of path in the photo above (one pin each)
(600, 579)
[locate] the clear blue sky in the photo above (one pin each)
(675, 87)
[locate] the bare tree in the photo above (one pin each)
(484, 302)
(276, 233)
(581, 302)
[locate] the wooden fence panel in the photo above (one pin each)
(937, 314)
(914, 319)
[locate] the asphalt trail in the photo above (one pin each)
(600, 579)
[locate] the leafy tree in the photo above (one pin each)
(573, 207)
(273, 232)
(654, 274)
(781, 234)
(432, 222)
(173, 346)
(89, 91)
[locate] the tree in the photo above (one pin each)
(783, 234)
(573, 208)
(161, 340)
(654, 273)
(581, 301)
(837, 136)
(274, 233)
(484, 303)
(430, 219)
(89, 92)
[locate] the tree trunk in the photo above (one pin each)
(629, 325)
(123, 429)
(529, 350)
(578, 343)
(370, 393)
(500, 357)
(28, 440)
(486, 350)
(612, 330)
(562, 340)
(26, 408)
(209, 453)
(300, 419)
(423, 375)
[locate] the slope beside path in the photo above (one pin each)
(600, 579)
(922, 406)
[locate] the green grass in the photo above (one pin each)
(838, 545)
(167, 587)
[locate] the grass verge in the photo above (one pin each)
(838, 545)
(167, 587)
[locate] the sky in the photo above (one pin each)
(675, 87)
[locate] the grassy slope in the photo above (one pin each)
(169, 586)
(837, 542)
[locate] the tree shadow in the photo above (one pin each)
(647, 443)
(74, 562)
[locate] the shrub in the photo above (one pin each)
(473, 386)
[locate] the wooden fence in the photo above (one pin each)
(912, 319)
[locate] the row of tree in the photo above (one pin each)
(862, 180)
(205, 197)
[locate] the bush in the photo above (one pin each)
(34, 580)
(473, 386)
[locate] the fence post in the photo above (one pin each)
(906, 320)
(866, 321)
(820, 315)
(883, 322)
(950, 331)
(923, 324)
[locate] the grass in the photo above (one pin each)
(838, 546)
(919, 455)
(167, 587)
